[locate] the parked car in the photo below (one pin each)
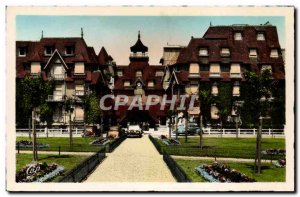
(193, 129)
(134, 131)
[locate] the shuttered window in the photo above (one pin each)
(260, 36)
(126, 83)
(252, 53)
(35, 67)
(225, 52)
(214, 68)
(79, 87)
(214, 111)
(79, 68)
(150, 84)
(238, 36)
(236, 91)
(214, 90)
(274, 53)
(194, 68)
(203, 52)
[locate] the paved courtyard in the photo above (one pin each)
(135, 160)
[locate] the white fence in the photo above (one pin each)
(270, 132)
(50, 132)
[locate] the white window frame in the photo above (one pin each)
(260, 36)
(138, 73)
(72, 49)
(238, 36)
(274, 53)
(120, 73)
(45, 51)
(203, 51)
(225, 52)
(253, 53)
(25, 52)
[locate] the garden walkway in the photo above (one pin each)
(135, 160)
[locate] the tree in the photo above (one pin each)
(93, 112)
(34, 94)
(205, 104)
(260, 88)
(224, 101)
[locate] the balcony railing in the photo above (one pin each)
(215, 74)
(235, 75)
(79, 92)
(58, 76)
(55, 98)
(194, 75)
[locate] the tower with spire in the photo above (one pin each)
(139, 52)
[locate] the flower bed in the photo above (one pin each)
(28, 144)
(100, 142)
(273, 152)
(281, 163)
(169, 142)
(218, 172)
(38, 172)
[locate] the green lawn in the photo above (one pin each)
(270, 173)
(80, 144)
(68, 161)
(223, 147)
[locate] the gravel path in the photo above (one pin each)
(135, 160)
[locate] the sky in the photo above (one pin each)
(118, 33)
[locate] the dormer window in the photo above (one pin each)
(79, 68)
(159, 73)
(238, 36)
(138, 73)
(22, 51)
(150, 84)
(260, 36)
(120, 73)
(203, 52)
(266, 67)
(253, 53)
(48, 50)
(274, 53)
(225, 52)
(126, 83)
(69, 50)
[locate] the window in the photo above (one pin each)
(260, 36)
(214, 90)
(194, 68)
(274, 53)
(35, 68)
(79, 89)
(225, 68)
(138, 73)
(79, 113)
(126, 83)
(194, 88)
(120, 73)
(253, 53)
(238, 36)
(235, 70)
(266, 67)
(236, 90)
(79, 68)
(225, 52)
(150, 84)
(22, 51)
(69, 50)
(203, 52)
(214, 112)
(48, 50)
(159, 73)
(204, 67)
(214, 70)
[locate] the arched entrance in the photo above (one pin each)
(138, 117)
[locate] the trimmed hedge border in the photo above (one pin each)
(82, 170)
(175, 169)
